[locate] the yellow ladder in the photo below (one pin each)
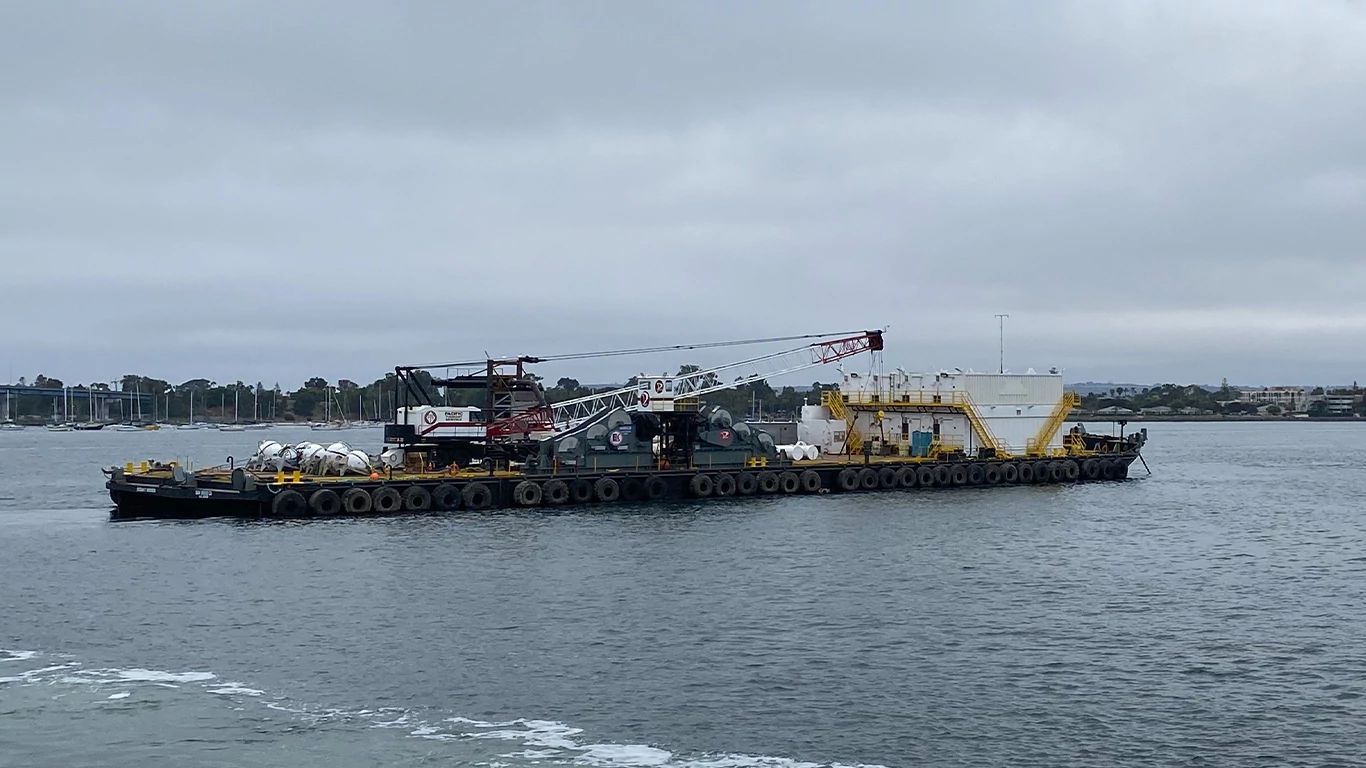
(1038, 445)
(979, 427)
(834, 402)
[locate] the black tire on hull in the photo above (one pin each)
(725, 484)
(810, 481)
(1057, 472)
(556, 492)
(288, 503)
(867, 479)
(977, 474)
(606, 490)
(386, 500)
(356, 501)
(632, 489)
(701, 486)
(581, 491)
(1121, 469)
(746, 484)
(847, 479)
(655, 488)
(445, 497)
(477, 496)
(768, 482)
(959, 475)
(416, 499)
(943, 476)
(1090, 469)
(1107, 469)
(1071, 470)
(527, 494)
(925, 477)
(324, 501)
(1042, 472)
(1018, 473)
(886, 477)
(905, 477)
(790, 482)
(992, 476)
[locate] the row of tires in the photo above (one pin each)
(389, 499)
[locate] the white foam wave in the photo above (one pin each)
(542, 742)
(159, 676)
(230, 688)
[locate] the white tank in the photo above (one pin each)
(358, 462)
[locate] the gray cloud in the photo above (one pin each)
(1153, 191)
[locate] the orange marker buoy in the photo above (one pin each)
(374, 475)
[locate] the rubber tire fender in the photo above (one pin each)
(477, 496)
(1121, 469)
(1042, 471)
(789, 482)
(905, 477)
(1090, 469)
(1022, 473)
(943, 476)
(725, 485)
(993, 474)
(768, 482)
(289, 503)
(632, 489)
(356, 501)
(324, 501)
(1057, 472)
(416, 499)
(847, 479)
(886, 477)
(555, 492)
(701, 486)
(526, 493)
(655, 488)
(386, 500)
(810, 481)
(445, 497)
(1107, 469)
(606, 490)
(581, 491)
(960, 475)
(977, 474)
(746, 483)
(867, 479)
(925, 477)
(1070, 470)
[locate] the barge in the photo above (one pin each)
(653, 441)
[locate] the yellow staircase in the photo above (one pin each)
(979, 427)
(834, 402)
(1038, 445)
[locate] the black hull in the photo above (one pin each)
(244, 496)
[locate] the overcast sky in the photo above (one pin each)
(1154, 192)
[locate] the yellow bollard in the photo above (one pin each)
(279, 477)
(128, 468)
(295, 479)
(142, 467)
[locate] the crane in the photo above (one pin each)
(517, 411)
(664, 393)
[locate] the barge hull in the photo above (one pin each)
(242, 494)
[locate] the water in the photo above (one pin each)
(1212, 613)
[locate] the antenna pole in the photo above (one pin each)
(1001, 321)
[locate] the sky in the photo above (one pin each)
(271, 191)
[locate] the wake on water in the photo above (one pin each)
(539, 741)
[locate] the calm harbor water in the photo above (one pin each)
(1209, 614)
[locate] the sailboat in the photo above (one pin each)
(9, 425)
(256, 422)
(59, 426)
(234, 426)
(327, 424)
(189, 424)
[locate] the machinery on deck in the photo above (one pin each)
(655, 419)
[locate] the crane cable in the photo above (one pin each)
(649, 350)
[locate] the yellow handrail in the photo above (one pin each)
(1038, 445)
(956, 400)
(834, 401)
